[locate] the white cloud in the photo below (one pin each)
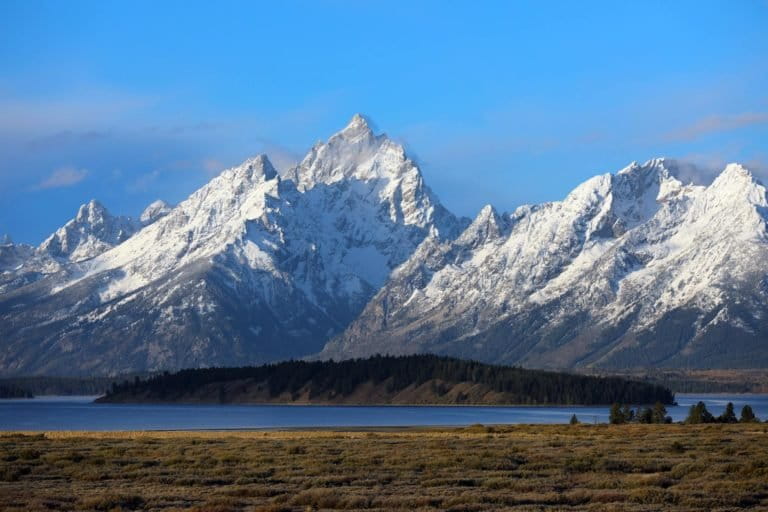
(63, 177)
(703, 168)
(716, 124)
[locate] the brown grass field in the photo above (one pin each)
(533, 467)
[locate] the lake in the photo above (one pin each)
(79, 413)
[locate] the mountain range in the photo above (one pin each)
(349, 254)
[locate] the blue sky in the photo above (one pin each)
(500, 102)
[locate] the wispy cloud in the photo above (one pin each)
(67, 118)
(148, 180)
(703, 168)
(699, 168)
(65, 137)
(143, 182)
(281, 157)
(212, 166)
(63, 177)
(716, 124)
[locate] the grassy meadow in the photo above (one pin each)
(533, 467)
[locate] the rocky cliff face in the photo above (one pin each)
(91, 232)
(350, 254)
(632, 269)
(253, 267)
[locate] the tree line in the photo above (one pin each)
(27, 387)
(698, 413)
(620, 414)
(14, 391)
(396, 373)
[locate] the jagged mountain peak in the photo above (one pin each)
(357, 133)
(487, 225)
(353, 153)
(249, 209)
(736, 176)
(358, 126)
(632, 268)
(615, 203)
(92, 211)
(734, 205)
(249, 268)
(738, 170)
(649, 174)
(252, 169)
(488, 213)
(156, 210)
(92, 231)
(254, 267)
(735, 191)
(658, 165)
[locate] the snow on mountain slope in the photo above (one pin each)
(13, 256)
(252, 267)
(589, 280)
(352, 215)
(91, 232)
(156, 210)
(634, 268)
(212, 218)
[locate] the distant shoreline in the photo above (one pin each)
(94, 400)
(326, 404)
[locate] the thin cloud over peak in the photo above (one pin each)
(63, 177)
(717, 124)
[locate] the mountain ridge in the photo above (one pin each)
(554, 302)
(350, 254)
(252, 267)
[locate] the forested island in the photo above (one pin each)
(380, 380)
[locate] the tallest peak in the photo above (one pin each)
(357, 125)
(358, 120)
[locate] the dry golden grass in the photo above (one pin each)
(584, 467)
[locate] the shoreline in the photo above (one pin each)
(93, 399)
(479, 428)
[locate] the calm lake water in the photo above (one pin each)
(79, 413)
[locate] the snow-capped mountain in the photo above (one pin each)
(252, 267)
(92, 231)
(349, 254)
(12, 256)
(632, 269)
(156, 210)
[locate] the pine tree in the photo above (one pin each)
(574, 420)
(728, 416)
(645, 415)
(660, 414)
(748, 415)
(699, 414)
